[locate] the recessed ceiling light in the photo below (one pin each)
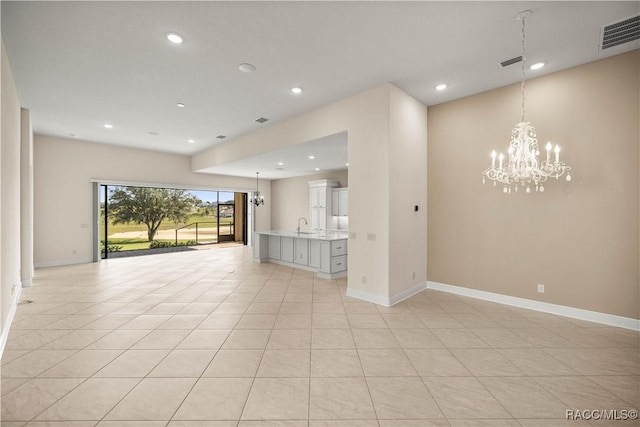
(311, 157)
(262, 120)
(190, 141)
(317, 169)
(280, 164)
(73, 135)
(153, 133)
(108, 126)
(297, 90)
(174, 38)
(537, 66)
(441, 86)
(245, 67)
(346, 164)
(180, 105)
(221, 136)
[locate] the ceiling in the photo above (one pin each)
(80, 65)
(311, 157)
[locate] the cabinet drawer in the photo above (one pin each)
(338, 247)
(338, 263)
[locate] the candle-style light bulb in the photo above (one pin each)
(493, 159)
(557, 150)
(500, 158)
(548, 147)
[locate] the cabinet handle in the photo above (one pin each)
(339, 263)
(338, 247)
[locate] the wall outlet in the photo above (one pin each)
(371, 237)
(541, 289)
(364, 280)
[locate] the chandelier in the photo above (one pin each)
(523, 168)
(257, 198)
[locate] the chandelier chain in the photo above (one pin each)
(523, 65)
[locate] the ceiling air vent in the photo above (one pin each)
(620, 32)
(262, 120)
(511, 61)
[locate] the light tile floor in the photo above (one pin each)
(209, 338)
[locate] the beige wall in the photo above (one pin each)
(579, 239)
(63, 173)
(26, 197)
(10, 190)
(290, 198)
(408, 188)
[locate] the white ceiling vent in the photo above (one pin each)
(620, 32)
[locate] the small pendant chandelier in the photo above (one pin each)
(523, 167)
(257, 198)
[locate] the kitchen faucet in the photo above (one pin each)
(305, 223)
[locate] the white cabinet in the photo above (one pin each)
(328, 258)
(333, 256)
(286, 249)
(274, 247)
(320, 195)
(340, 202)
(314, 253)
(301, 251)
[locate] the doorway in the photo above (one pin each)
(135, 220)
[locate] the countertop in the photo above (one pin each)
(322, 235)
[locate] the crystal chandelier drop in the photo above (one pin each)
(523, 168)
(257, 198)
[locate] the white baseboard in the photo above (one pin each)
(27, 283)
(408, 293)
(61, 262)
(369, 297)
(386, 301)
(7, 324)
(545, 307)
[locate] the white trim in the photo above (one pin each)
(62, 262)
(386, 301)
(173, 186)
(288, 264)
(7, 325)
(27, 283)
(407, 293)
(331, 276)
(545, 307)
(366, 296)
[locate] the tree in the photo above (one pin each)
(149, 206)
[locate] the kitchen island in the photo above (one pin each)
(323, 252)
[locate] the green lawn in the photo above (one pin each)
(134, 244)
(129, 244)
(166, 224)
